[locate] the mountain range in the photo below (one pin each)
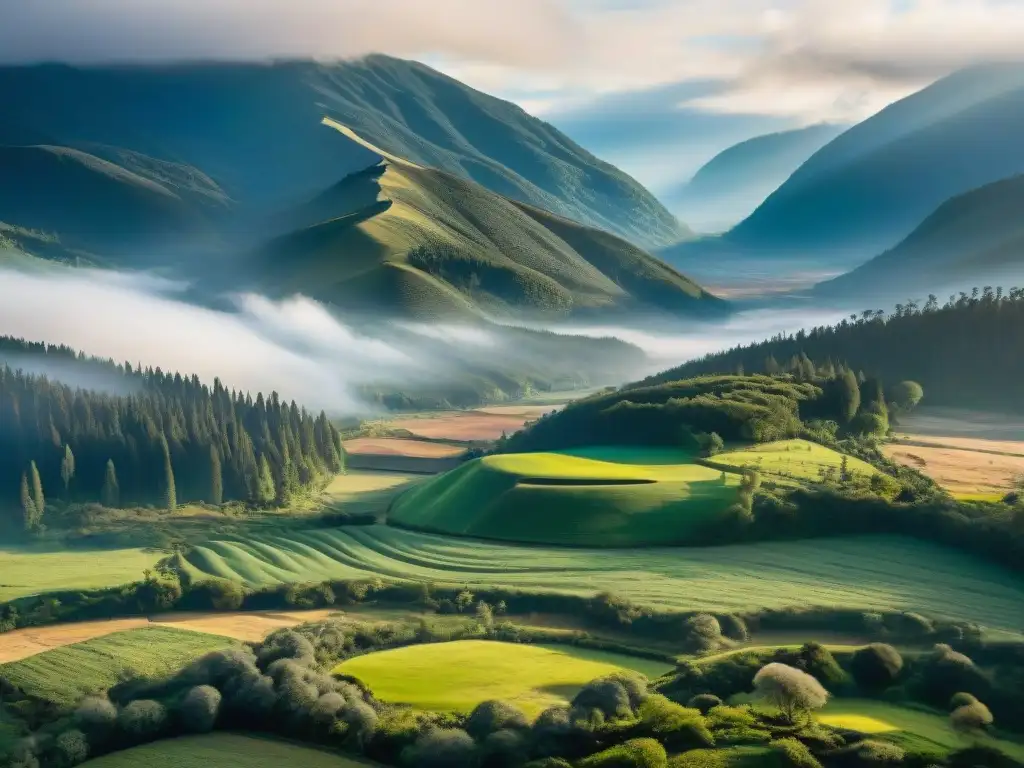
(975, 237)
(241, 139)
(737, 180)
(869, 187)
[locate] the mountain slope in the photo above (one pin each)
(254, 130)
(737, 180)
(424, 242)
(977, 236)
(90, 203)
(868, 188)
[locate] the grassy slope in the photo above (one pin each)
(88, 202)
(792, 459)
(871, 572)
(64, 675)
(430, 243)
(459, 675)
(913, 728)
(224, 750)
(30, 570)
(975, 234)
(561, 499)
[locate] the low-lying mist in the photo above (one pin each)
(298, 347)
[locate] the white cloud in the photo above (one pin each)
(814, 59)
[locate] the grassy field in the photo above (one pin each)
(913, 728)
(869, 572)
(65, 674)
(792, 460)
(459, 675)
(224, 750)
(598, 497)
(32, 570)
(399, 447)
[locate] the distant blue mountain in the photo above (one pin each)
(736, 181)
(871, 186)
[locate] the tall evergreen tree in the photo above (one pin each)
(170, 492)
(849, 395)
(37, 491)
(28, 507)
(111, 494)
(266, 491)
(216, 477)
(67, 470)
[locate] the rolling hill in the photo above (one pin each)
(252, 133)
(975, 237)
(90, 203)
(737, 180)
(868, 188)
(428, 244)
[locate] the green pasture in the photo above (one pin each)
(64, 675)
(457, 676)
(596, 497)
(32, 570)
(911, 727)
(792, 460)
(224, 750)
(859, 572)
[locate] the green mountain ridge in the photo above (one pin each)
(425, 243)
(249, 136)
(974, 237)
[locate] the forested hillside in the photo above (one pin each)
(966, 352)
(170, 441)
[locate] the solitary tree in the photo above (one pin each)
(791, 690)
(111, 494)
(170, 492)
(849, 396)
(67, 469)
(28, 507)
(971, 718)
(37, 491)
(216, 477)
(906, 395)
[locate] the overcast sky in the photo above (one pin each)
(768, 63)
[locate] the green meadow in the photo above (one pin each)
(36, 569)
(457, 676)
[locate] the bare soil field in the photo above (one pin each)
(526, 411)
(389, 446)
(253, 625)
(465, 426)
(972, 454)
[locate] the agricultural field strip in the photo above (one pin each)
(870, 573)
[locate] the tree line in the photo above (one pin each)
(171, 440)
(964, 352)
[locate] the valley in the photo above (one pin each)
(353, 416)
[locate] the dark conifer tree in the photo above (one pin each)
(170, 492)
(28, 507)
(67, 470)
(216, 477)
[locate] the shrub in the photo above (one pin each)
(142, 720)
(962, 700)
(971, 718)
(97, 717)
(946, 672)
(442, 748)
(70, 748)
(491, 716)
(734, 627)
(674, 725)
(635, 753)
(504, 749)
(702, 631)
(876, 667)
(792, 754)
(791, 690)
(198, 710)
(219, 594)
(704, 702)
(614, 696)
